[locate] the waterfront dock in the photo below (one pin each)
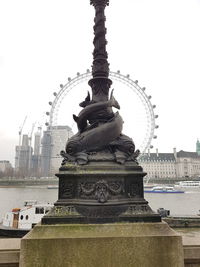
(183, 221)
(22, 182)
(10, 251)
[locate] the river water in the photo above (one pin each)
(178, 204)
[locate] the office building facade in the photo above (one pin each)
(53, 141)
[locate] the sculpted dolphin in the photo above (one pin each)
(96, 138)
(82, 118)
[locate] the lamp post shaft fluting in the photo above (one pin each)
(100, 83)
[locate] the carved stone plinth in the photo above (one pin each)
(100, 192)
(113, 244)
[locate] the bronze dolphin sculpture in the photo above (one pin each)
(82, 118)
(91, 140)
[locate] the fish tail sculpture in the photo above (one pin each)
(83, 116)
(92, 140)
(104, 133)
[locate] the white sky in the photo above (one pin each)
(157, 42)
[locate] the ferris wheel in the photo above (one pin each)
(142, 97)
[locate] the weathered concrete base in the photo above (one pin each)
(108, 245)
(9, 252)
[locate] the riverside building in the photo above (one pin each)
(53, 141)
(5, 166)
(198, 147)
(23, 157)
(176, 165)
(44, 160)
(36, 157)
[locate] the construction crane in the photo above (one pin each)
(19, 147)
(20, 130)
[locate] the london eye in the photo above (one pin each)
(140, 100)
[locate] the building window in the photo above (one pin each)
(39, 210)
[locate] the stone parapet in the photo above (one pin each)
(115, 244)
(10, 252)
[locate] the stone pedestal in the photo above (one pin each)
(101, 192)
(108, 245)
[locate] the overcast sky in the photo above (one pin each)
(43, 42)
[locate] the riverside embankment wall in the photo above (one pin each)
(10, 252)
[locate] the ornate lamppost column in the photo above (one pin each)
(100, 83)
(100, 179)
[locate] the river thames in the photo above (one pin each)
(178, 204)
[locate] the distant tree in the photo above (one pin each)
(1, 174)
(9, 172)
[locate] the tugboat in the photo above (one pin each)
(20, 221)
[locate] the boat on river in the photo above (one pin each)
(188, 184)
(52, 186)
(148, 185)
(163, 189)
(20, 221)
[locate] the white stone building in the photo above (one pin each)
(174, 165)
(188, 164)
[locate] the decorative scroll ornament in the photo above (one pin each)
(101, 190)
